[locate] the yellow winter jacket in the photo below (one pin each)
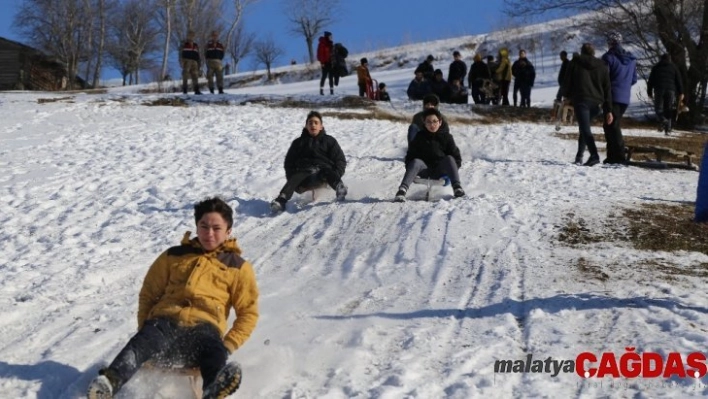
(503, 71)
(192, 286)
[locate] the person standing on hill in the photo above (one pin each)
(214, 55)
(458, 69)
(427, 68)
(479, 72)
(190, 61)
(325, 49)
(623, 75)
(339, 63)
(503, 75)
(419, 87)
(587, 85)
(561, 74)
(524, 77)
(664, 85)
(363, 77)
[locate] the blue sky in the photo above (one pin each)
(364, 26)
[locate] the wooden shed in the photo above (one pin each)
(25, 68)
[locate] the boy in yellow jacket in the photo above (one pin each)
(184, 304)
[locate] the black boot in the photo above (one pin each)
(331, 90)
(322, 91)
(184, 89)
(211, 90)
(221, 90)
(196, 90)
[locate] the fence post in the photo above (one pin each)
(702, 192)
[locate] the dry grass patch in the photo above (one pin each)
(54, 100)
(167, 101)
(650, 227)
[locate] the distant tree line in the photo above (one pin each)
(137, 35)
(652, 27)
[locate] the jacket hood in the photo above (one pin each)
(230, 245)
(588, 62)
(504, 52)
(325, 40)
(624, 56)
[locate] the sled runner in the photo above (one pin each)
(430, 182)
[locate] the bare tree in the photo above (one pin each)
(241, 45)
(309, 17)
(56, 27)
(165, 8)
(239, 8)
(267, 52)
(200, 16)
(133, 36)
(653, 27)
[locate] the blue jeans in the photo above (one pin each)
(584, 113)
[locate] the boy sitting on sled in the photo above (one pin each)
(184, 304)
(313, 159)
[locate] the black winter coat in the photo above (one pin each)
(664, 76)
(431, 148)
(588, 79)
(322, 151)
(524, 73)
(479, 71)
(458, 70)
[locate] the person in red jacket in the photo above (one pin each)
(325, 50)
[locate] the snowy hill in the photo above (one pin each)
(361, 299)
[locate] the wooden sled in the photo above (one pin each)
(660, 155)
(194, 375)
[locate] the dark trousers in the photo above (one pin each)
(362, 89)
(166, 343)
(517, 87)
(585, 112)
(477, 94)
(525, 90)
(504, 91)
(613, 135)
(663, 105)
(309, 178)
(446, 166)
(327, 71)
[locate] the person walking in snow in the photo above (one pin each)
(312, 159)
(325, 48)
(664, 85)
(184, 305)
(214, 55)
(432, 153)
(623, 75)
(587, 86)
(190, 61)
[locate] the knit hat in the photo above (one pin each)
(430, 58)
(438, 72)
(613, 37)
(364, 61)
(328, 34)
(382, 85)
(455, 53)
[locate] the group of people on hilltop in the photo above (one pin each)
(190, 62)
(429, 80)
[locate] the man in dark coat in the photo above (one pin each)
(664, 86)
(314, 158)
(427, 68)
(587, 85)
(524, 77)
(622, 67)
(419, 87)
(561, 73)
(440, 87)
(479, 72)
(339, 63)
(458, 69)
(432, 152)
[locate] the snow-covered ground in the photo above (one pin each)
(362, 299)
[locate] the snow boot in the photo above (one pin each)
(226, 382)
(458, 191)
(103, 386)
(400, 195)
(221, 90)
(322, 91)
(211, 90)
(331, 90)
(196, 90)
(278, 204)
(184, 89)
(341, 191)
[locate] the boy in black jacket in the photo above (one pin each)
(313, 158)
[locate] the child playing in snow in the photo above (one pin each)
(314, 157)
(383, 94)
(184, 303)
(363, 76)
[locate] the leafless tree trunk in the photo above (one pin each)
(57, 27)
(200, 16)
(653, 27)
(267, 52)
(239, 6)
(166, 21)
(241, 46)
(103, 8)
(310, 17)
